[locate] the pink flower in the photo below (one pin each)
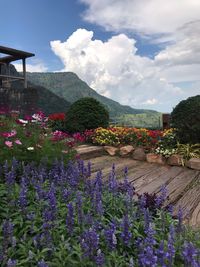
(18, 142)
(8, 143)
(11, 134)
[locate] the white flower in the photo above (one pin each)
(23, 121)
(30, 148)
(37, 117)
(114, 239)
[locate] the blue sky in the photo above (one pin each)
(140, 53)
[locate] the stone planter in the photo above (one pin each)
(175, 160)
(155, 158)
(126, 150)
(193, 163)
(139, 154)
(111, 150)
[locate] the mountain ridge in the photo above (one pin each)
(70, 87)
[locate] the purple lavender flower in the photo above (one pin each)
(7, 230)
(147, 254)
(125, 187)
(10, 176)
(97, 194)
(126, 234)
(142, 202)
(73, 175)
(70, 218)
(112, 181)
(52, 200)
(23, 195)
(89, 219)
(179, 227)
(110, 236)
(66, 194)
(147, 219)
(42, 263)
(161, 254)
(147, 257)
(190, 255)
(90, 243)
(81, 166)
(162, 197)
(100, 258)
(79, 204)
(170, 253)
(11, 263)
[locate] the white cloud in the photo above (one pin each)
(145, 17)
(186, 49)
(151, 101)
(113, 69)
(36, 66)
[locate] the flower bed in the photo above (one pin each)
(30, 139)
(63, 217)
(121, 136)
(162, 145)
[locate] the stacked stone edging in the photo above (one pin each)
(138, 153)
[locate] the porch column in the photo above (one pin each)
(24, 72)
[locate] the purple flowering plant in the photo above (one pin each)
(68, 215)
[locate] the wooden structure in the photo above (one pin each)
(182, 184)
(166, 120)
(11, 55)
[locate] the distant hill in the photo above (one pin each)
(68, 86)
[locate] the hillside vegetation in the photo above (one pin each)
(68, 86)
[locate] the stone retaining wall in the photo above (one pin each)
(20, 99)
(138, 153)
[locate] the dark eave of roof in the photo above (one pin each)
(13, 54)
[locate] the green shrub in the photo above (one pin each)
(86, 113)
(185, 118)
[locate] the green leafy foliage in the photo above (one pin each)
(189, 151)
(86, 113)
(185, 119)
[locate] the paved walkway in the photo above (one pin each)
(183, 184)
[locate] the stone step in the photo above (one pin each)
(89, 152)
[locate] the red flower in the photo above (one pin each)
(57, 116)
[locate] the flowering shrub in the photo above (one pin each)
(167, 145)
(165, 152)
(120, 135)
(64, 217)
(104, 136)
(56, 121)
(30, 140)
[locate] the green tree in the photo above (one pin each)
(185, 118)
(86, 113)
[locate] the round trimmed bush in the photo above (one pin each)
(185, 118)
(86, 113)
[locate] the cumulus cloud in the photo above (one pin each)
(36, 66)
(114, 70)
(180, 62)
(186, 49)
(145, 17)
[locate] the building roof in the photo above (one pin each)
(13, 54)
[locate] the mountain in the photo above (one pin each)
(48, 101)
(68, 86)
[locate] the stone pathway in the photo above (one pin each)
(183, 184)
